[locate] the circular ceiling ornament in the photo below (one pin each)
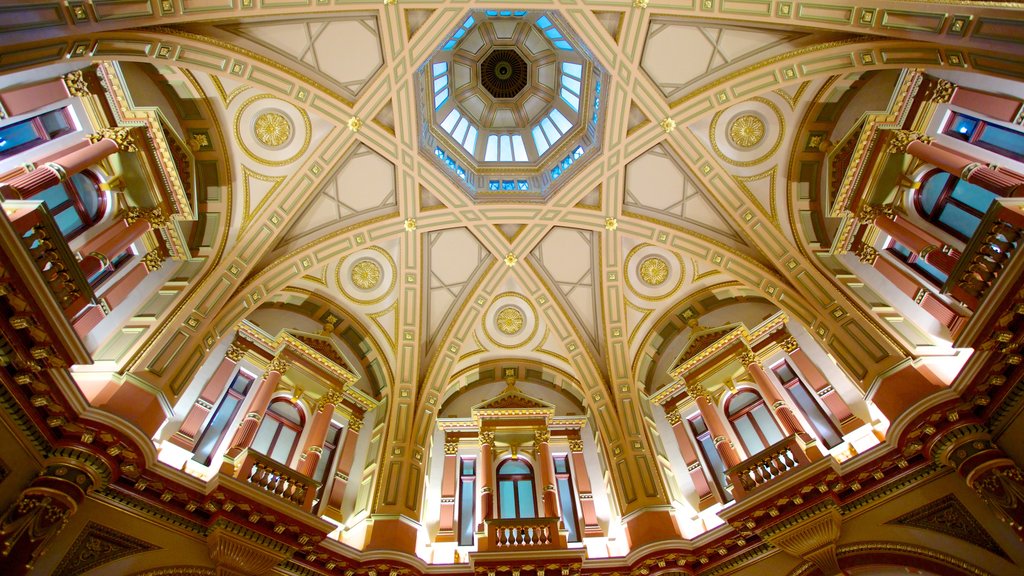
(504, 73)
(749, 133)
(510, 320)
(654, 270)
(746, 131)
(366, 274)
(267, 120)
(272, 129)
(653, 273)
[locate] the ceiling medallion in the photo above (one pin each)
(746, 131)
(510, 320)
(654, 270)
(366, 274)
(272, 129)
(504, 73)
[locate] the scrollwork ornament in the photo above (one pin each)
(355, 424)
(487, 437)
(899, 140)
(121, 135)
(789, 345)
(77, 84)
(451, 447)
(34, 521)
(153, 260)
(575, 445)
(867, 254)
(541, 436)
(279, 365)
(155, 216)
(941, 92)
(235, 352)
(1003, 489)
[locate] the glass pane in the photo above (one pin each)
(505, 149)
(467, 520)
(560, 121)
(959, 220)
(714, 461)
(565, 502)
(440, 68)
(491, 155)
(241, 382)
(974, 196)
(571, 83)
(460, 130)
(468, 466)
(507, 499)
(741, 401)
(573, 69)
(931, 190)
(88, 195)
(571, 99)
(963, 126)
(751, 441)
(17, 135)
(509, 467)
(68, 221)
(562, 45)
(1001, 139)
(549, 130)
(54, 197)
(543, 22)
(54, 122)
(784, 372)
(698, 426)
(286, 410)
(221, 418)
(321, 464)
(539, 141)
(450, 120)
(264, 435)
(552, 33)
(819, 420)
(561, 465)
(470, 143)
(930, 271)
(519, 148)
(767, 424)
(283, 446)
(525, 489)
(440, 98)
(440, 82)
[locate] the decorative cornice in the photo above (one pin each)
(121, 135)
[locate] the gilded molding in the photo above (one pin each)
(900, 139)
(97, 545)
(279, 365)
(236, 351)
(153, 260)
(77, 84)
(121, 135)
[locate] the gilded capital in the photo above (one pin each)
(900, 139)
(789, 345)
(355, 423)
(542, 435)
(747, 358)
(695, 390)
(575, 444)
(867, 254)
(673, 417)
(155, 216)
(121, 135)
(279, 365)
(153, 260)
(77, 84)
(487, 437)
(332, 397)
(451, 446)
(235, 352)
(940, 92)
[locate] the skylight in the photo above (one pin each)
(505, 13)
(461, 129)
(566, 162)
(572, 74)
(440, 70)
(458, 34)
(549, 130)
(505, 148)
(549, 30)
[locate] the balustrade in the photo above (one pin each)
(51, 255)
(509, 534)
(988, 254)
(756, 472)
(275, 478)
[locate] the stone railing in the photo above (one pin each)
(758, 471)
(510, 534)
(53, 259)
(275, 478)
(988, 254)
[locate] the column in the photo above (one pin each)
(816, 380)
(318, 428)
(966, 168)
(100, 255)
(717, 429)
(693, 465)
(42, 510)
(583, 488)
(449, 488)
(336, 498)
(485, 471)
(246, 432)
(53, 173)
(542, 438)
(188, 434)
(917, 241)
(986, 469)
(772, 396)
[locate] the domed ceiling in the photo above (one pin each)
(510, 104)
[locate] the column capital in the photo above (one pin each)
(77, 84)
(866, 254)
(279, 365)
(153, 260)
(541, 435)
(695, 390)
(789, 345)
(899, 140)
(940, 92)
(575, 444)
(355, 423)
(451, 446)
(235, 352)
(748, 358)
(332, 397)
(673, 416)
(487, 437)
(954, 446)
(121, 135)
(155, 216)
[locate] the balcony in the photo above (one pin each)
(522, 534)
(43, 286)
(756, 473)
(273, 478)
(989, 257)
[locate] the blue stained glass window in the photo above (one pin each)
(494, 185)
(549, 30)
(523, 185)
(509, 185)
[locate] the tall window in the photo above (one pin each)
(712, 459)
(566, 497)
(467, 501)
(323, 466)
(75, 204)
(1003, 141)
(223, 415)
(27, 134)
(515, 489)
(752, 421)
(279, 431)
(955, 205)
(802, 395)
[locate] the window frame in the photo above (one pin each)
(945, 198)
(238, 396)
(466, 493)
(717, 479)
(974, 137)
(270, 415)
(747, 412)
(821, 409)
(570, 498)
(42, 135)
(499, 477)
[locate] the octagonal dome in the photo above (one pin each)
(510, 104)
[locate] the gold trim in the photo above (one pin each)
(307, 126)
(771, 151)
(387, 292)
(670, 292)
(525, 340)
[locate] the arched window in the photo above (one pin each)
(75, 204)
(515, 489)
(752, 421)
(955, 205)
(279, 431)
